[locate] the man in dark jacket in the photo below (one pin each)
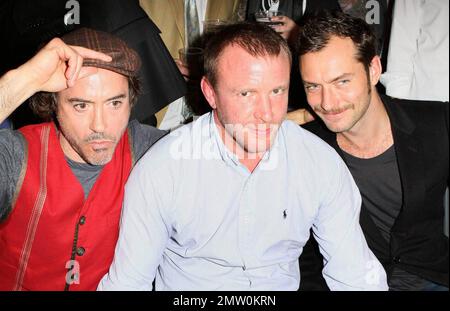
(396, 150)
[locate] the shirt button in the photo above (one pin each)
(82, 220)
(80, 251)
(397, 259)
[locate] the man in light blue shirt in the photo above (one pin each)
(227, 202)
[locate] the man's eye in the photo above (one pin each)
(311, 88)
(278, 91)
(244, 94)
(116, 104)
(343, 82)
(80, 106)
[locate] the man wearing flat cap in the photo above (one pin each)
(62, 182)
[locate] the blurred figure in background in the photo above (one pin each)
(293, 11)
(418, 58)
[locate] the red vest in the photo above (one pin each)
(51, 222)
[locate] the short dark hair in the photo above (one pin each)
(256, 39)
(316, 31)
(44, 104)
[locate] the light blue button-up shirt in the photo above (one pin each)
(195, 218)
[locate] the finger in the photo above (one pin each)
(87, 53)
(68, 55)
(278, 28)
(79, 64)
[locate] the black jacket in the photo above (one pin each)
(421, 138)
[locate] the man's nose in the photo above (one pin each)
(98, 122)
(329, 99)
(264, 109)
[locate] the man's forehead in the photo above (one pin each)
(231, 50)
(337, 51)
(235, 58)
(230, 53)
(101, 83)
(344, 43)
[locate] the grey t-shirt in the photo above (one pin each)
(378, 180)
(12, 148)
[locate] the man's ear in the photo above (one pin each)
(208, 92)
(375, 70)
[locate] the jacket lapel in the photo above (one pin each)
(410, 161)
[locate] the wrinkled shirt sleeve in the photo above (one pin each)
(349, 264)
